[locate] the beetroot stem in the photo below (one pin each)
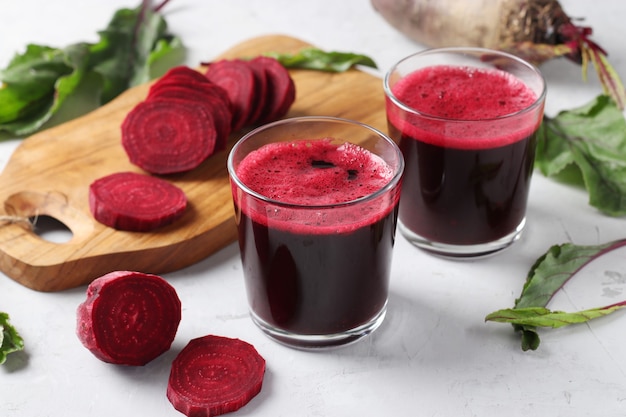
(583, 48)
(161, 5)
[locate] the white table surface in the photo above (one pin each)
(434, 355)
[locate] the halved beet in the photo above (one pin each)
(237, 78)
(168, 136)
(215, 375)
(281, 89)
(128, 318)
(135, 202)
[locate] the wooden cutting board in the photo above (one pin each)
(50, 172)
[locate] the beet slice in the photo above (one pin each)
(260, 94)
(129, 318)
(237, 78)
(183, 72)
(281, 89)
(215, 375)
(168, 136)
(208, 96)
(135, 202)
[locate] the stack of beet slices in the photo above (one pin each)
(186, 117)
(260, 90)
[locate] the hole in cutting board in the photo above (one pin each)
(50, 229)
(53, 219)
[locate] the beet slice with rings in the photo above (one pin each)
(209, 98)
(260, 94)
(135, 202)
(214, 375)
(281, 90)
(168, 136)
(183, 72)
(129, 318)
(237, 78)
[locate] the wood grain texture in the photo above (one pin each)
(50, 172)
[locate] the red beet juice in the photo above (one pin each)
(316, 249)
(468, 156)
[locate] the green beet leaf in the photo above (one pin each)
(319, 60)
(38, 82)
(10, 340)
(592, 141)
(546, 277)
(30, 81)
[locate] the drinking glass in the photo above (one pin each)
(316, 254)
(466, 122)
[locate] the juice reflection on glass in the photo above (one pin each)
(316, 207)
(466, 120)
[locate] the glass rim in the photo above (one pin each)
(393, 182)
(461, 50)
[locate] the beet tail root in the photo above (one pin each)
(535, 30)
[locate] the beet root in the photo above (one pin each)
(135, 202)
(168, 136)
(129, 318)
(237, 78)
(215, 375)
(281, 89)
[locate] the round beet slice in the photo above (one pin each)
(128, 318)
(168, 136)
(135, 202)
(281, 89)
(183, 72)
(209, 97)
(237, 78)
(215, 375)
(260, 94)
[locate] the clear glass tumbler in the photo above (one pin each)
(316, 202)
(466, 122)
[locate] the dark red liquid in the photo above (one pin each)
(316, 271)
(464, 196)
(317, 283)
(467, 168)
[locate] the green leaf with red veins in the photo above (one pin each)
(592, 140)
(546, 277)
(37, 83)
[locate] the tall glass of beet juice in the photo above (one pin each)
(466, 121)
(316, 204)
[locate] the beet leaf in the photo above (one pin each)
(37, 82)
(590, 143)
(317, 59)
(546, 277)
(10, 339)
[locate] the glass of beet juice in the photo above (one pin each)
(466, 122)
(316, 204)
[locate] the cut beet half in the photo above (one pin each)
(128, 318)
(135, 202)
(168, 136)
(281, 89)
(237, 78)
(215, 375)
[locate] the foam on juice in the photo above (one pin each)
(314, 173)
(451, 99)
